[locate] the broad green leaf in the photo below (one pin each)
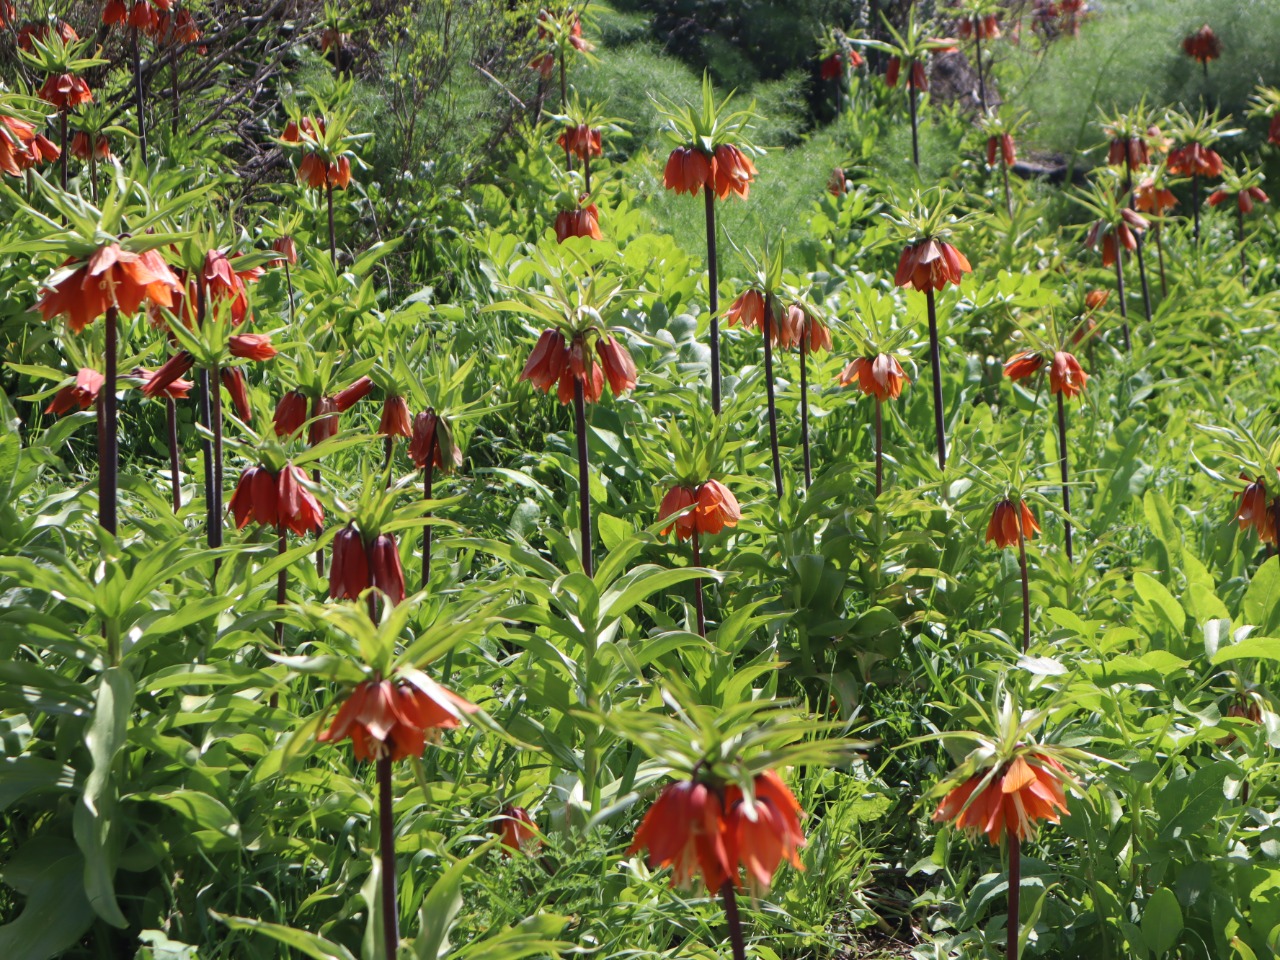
(308, 944)
(1162, 921)
(1262, 599)
(49, 872)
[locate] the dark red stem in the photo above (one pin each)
(734, 920)
(1066, 490)
(697, 584)
(1124, 309)
(428, 473)
(713, 296)
(584, 477)
(804, 406)
(175, 472)
(109, 469)
(935, 363)
(1015, 889)
(386, 829)
(768, 382)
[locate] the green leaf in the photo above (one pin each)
(20, 776)
(644, 581)
(1250, 648)
(94, 817)
(309, 944)
(1155, 594)
(1162, 921)
(439, 911)
(1187, 806)
(203, 811)
(1262, 599)
(56, 914)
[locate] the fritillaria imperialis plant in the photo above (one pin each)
(1066, 380)
(1203, 46)
(1265, 104)
(62, 60)
(908, 52)
(206, 321)
(110, 265)
(1245, 188)
(446, 402)
(928, 263)
(583, 126)
(729, 818)
(559, 32)
(837, 61)
(1007, 785)
(570, 309)
(804, 325)
(695, 503)
(326, 145)
(760, 308)
(391, 708)
(877, 372)
(1117, 228)
(1127, 148)
(712, 157)
(1253, 448)
(979, 20)
(1001, 149)
(1193, 154)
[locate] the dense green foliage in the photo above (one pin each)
(162, 791)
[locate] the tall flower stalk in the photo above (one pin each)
(1011, 523)
(61, 58)
(803, 326)
(696, 504)
(711, 157)
(102, 279)
(326, 148)
(1245, 190)
(759, 308)
(1066, 380)
(908, 51)
(1005, 788)
(575, 354)
(391, 710)
(1116, 229)
(1128, 149)
(928, 263)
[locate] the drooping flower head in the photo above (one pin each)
(431, 445)
(1243, 186)
(582, 221)
(81, 392)
(802, 326)
(880, 376)
(1256, 510)
(1011, 799)
(395, 717)
(714, 831)
(1203, 45)
(326, 145)
(711, 151)
(708, 508)
(1011, 522)
(111, 276)
(276, 498)
(1009, 784)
